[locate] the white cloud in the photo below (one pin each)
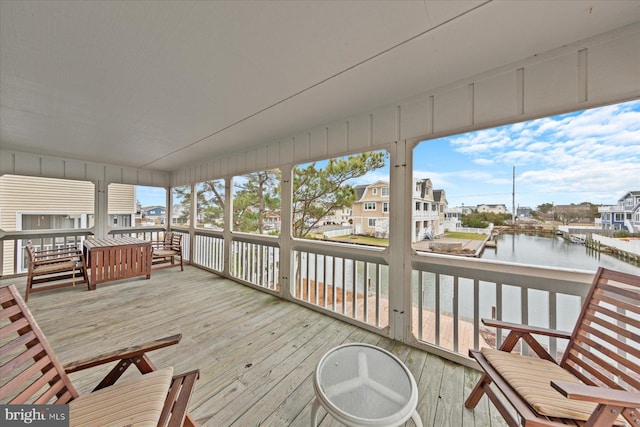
(592, 155)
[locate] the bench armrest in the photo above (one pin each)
(526, 329)
(606, 396)
(125, 353)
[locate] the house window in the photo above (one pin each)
(374, 191)
(425, 207)
(369, 206)
(433, 207)
(417, 206)
(385, 207)
(385, 191)
(372, 222)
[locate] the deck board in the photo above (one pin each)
(256, 353)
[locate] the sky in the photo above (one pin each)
(587, 156)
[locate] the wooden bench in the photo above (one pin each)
(58, 267)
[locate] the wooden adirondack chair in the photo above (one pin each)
(164, 253)
(57, 267)
(596, 383)
(30, 373)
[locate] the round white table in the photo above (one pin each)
(364, 385)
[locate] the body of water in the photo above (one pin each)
(553, 251)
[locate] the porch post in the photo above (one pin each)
(192, 222)
(286, 241)
(100, 209)
(168, 213)
(400, 242)
(228, 226)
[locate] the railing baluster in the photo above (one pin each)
(344, 286)
(437, 332)
(456, 323)
(420, 304)
(499, 313)
(365, 291)
(476, 314)
(553, 323)
(378, 275)
(354, 292)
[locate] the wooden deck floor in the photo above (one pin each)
(256, 353)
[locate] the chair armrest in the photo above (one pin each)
(606, 396)
(121, 354)
(526, 328)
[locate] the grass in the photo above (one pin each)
(353, 239)
(467, 236)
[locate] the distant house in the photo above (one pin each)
(370, 211)
(495, 209)
(524, 212)
(625, 215)
(155, 214)
(453, 218)
(429, 207)
(573, 213)
(339, 216)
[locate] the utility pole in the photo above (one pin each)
(513, 198)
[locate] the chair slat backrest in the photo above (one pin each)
(30, 372)
(604, 349)
(176, 240)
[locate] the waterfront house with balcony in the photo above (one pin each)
(429, 207)
(370, 210)
(173, 94)
(625, 215)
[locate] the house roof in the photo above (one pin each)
(162, 85)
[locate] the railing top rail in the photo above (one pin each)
(37, 234)
(136, 229)
(211, 233)
(256, 238)
(343, 250)
(553, 279)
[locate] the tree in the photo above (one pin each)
(545, 207)
(317, 192)
(255, 198)
(211, 202)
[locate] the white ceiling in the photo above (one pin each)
(163, 84)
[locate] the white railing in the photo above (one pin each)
(337, 233)
(631, 246)
(347, 280)
(451, 295)
(487, 230)
(209, 250)
(256, 260)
